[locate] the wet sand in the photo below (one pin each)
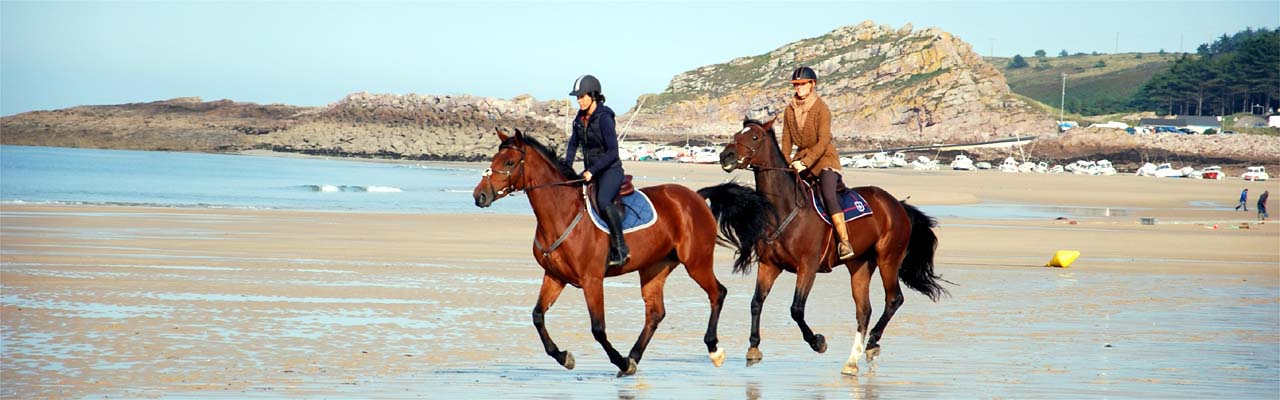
(133, 302)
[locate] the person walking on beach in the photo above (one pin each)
(1244, 196)
(807, 124)
(593, 130)
(1262, 205)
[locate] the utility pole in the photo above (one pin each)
(991, 51)
(1117, 43)
(1062, 107)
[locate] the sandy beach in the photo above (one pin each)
(105, 301)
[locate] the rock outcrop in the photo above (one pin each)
(884, 86)
(419, 127)
(362, 125)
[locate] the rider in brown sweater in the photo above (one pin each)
(807, 125)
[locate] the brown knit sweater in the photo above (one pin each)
(815, 147)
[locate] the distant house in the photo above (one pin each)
(1198, 124)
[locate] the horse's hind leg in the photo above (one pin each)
(551, 289)
(893, 299)
(593, 290)
(651, 281)
(766, 274)
(860, 282)
(700, 268)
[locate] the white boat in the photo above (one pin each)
(665, 154)
(1057, 169)
(625, 154)
(706, 155)
(1009, 165)
(982, 165)
(1214, 172)
(1083, 167)
(641, 153)
(862, 162)
(899, 160)
(846, 161)
(1147, 169)
(1165, 170)
(881, 160)
(1027, 167)
(1042, 167)
(1105, 168)
(1256, 173)
(925, 164)
(962, 163)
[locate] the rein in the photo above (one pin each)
(511, 188)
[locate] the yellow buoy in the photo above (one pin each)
(1063, 258)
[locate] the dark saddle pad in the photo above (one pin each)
(852, 203)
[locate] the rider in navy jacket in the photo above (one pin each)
(593, 130)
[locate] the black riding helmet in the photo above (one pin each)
(585, 84)
(802, 74)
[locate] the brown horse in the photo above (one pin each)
(574, 253)
(896, 234)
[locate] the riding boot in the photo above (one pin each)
(619, 254)
(845, 250)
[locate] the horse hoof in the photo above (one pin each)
(631, 368)
(872, 353)
(717, 358)
(819, 344)
(754, 356)
(850, 370)
(567, 362)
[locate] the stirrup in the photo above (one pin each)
(845, 251)
(617, 263)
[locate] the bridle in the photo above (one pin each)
(524, 186)
(799, 186)
(510, 172)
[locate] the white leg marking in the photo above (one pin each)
(859, 347)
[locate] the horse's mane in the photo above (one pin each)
(546, 152)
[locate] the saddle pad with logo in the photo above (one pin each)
(637, 213)
(851, 202)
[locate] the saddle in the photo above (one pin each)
(626, 189)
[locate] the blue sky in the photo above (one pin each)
(57, 54)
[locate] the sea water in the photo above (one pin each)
(174, 179)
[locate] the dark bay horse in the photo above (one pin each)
(574, 253)
(776, 226)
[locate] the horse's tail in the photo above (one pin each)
(917, 266)
(743, 215)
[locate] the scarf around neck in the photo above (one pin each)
(801, 107)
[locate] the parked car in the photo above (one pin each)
(1228, 132)
(1186, 131)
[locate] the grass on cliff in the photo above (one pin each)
(1087, 82)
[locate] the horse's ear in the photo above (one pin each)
(519, 135)
(502, 135)
(769, 125)
(746, 121)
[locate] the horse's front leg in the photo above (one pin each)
(593, 289)
(651, 281)
(766, 274)
(551, 289)
(805, 274)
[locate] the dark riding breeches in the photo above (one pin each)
(607, 185)
(831, 183)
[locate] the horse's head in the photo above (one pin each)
(505, 173)
(742, 152)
